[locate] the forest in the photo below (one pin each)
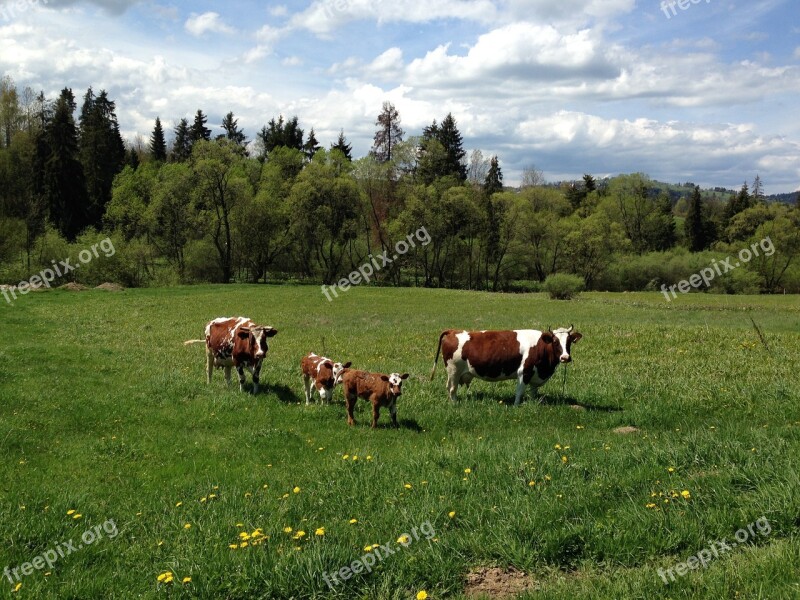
(188, 207)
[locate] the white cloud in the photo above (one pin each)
(199, 25)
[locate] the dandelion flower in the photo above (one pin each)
(233, 546)
(244, 544)
(670, 469)
(177, 504)
(557, 446)
(369, 457)
(287, 530)
(531, 483)
(403, 539)
(650, 505)
(187, 526)
(296, 490)
(686, 495)
(564, 459)
(353, 521)
(451, 514)
(320, 531)
(77, 516)
(407, 486)
(467, 470)
(71, 511)
(186, 580)
(422, 595)
(16, 587)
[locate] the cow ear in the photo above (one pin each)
(271, 331)
(328, 364)
(404, 376)
(347, 365)
(384, 378)
(547, 337)
(243, 333)
(575, 337)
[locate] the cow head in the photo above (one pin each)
(252, 341)
(338, 371)
(325, 379)
(565, 338)
(395, 381)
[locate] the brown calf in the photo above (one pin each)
(379, 389)
(323, 374)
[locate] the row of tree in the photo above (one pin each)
(282, 207)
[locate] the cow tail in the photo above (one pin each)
(438, 349)
(190, 342)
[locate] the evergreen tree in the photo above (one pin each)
(132, 158)
(102, 151)
(232, 131)
(697, 226)
(182, 146)
(199, 132)
(389, 133)
(311, 146)
(494, 178)
(278, 134)
(342, 146)
(64, 185)
(445, 157)
(758, 189)
(589, 183)
(450, 137)
(158, 145)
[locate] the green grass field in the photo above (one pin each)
(104, 412)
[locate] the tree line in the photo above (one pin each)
(281, 207)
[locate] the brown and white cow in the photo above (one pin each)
(377, 388)
(528, 355)
(236, 342)
(323, 374)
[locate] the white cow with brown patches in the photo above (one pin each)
(323, 374)
(235, 342)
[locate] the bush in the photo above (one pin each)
(563, 286)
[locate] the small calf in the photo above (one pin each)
(323, 373)
(379, 389)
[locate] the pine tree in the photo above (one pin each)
(311, 146)
(199, 132)
(182, 146)
(64, 185)
(158, 145)
(697, 226)
(102, 151)
(342, 146)
(442, 152)
(232, 131)
(758, 190)
(453, 143)
(280, 134)
(494, 178)
(389, 133)
(742, 201)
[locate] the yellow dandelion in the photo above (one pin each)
(355, 458)
(212, 496)
(578, 426)
(244, 544)
(345, 456)
(233, 546)
(451, 514)
(287, 530)
(467, 470)
(650, 505)
(77, 516)
(686, 495)
(531, 483)
(403, 539)
(367, 548)
(187, 526)
(422, 595)
(16, 587)
(177, 504)
(160, 543)
(71, 511)
(186, 580)
(353, 521)
(407, 486)
(164, 576)
(369, 457)
(670, 469)
(564, 459)
(557, 446)
(203, 499)
(299, 535)
(320, 531)
(296, 490)
(244, 535)
(240, 524)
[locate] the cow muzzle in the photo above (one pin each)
(565, 358)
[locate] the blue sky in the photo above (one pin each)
(705, 94)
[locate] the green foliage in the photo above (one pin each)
(563, 286)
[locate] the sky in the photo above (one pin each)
(684, 90)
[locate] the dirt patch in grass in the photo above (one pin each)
(494, 582)
(626, 430)
(73, 287)
(110, 287)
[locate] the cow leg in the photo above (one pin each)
(228, 376)
(256, 371)
(520, 390)
(350, 403)
(307, 388)
(452, 384)
(393, 411)
(240, 371)
(376, 412)
(209, 366)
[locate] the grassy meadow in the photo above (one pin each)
(104, 412)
